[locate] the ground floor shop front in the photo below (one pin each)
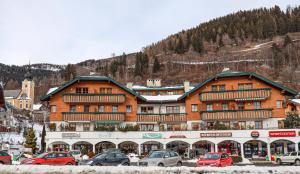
(189, 144)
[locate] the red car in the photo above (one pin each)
(217, 159)
(5, 158)
(52, 158)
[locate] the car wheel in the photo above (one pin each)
(125, 164)
(179, 164)
(69, 164)
(98, 164)
(160, 164)
(278, 161)
(297, 162)
(1, 162)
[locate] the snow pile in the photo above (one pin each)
(39, 169)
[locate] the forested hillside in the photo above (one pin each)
(266, 41)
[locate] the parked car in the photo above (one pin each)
(217, 159)
(134, 158)
(5, 158)
(161, 158)
(291, 158)
(51, 158)
(109, 159)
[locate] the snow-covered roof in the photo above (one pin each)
(296, 101)
(138, 87)
(161, 98)
(36, 106)
(51, 90)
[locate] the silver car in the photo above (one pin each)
(290, 158)
(161, 158)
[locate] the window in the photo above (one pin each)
(86, 126)
(214, 88)
(169, 109)
(176, 109)
(101, 108)
(226, 123)
(26, 103)
(241, 106)
(86, 108)
(21, 106)
(280, 124)
(53, 108)
(195, 126)
(225, 106)
(248, 86)
(115, 108)
(72, 108)
(242, 124)
(150, 109)
(72, 126)
(128, 108)
(78, 90)
(170, 92)
(258, 125)
(51, 155)
(147, 127)
(209, 107)
(143, 109)
(242, 86)
(194, 108)
(222, 88)
(85, 90)
(218, 87)
(257, 105)
(105, 90)
(102, 90)
(109, 90)
(278, 104)
(61, 155)
(293, 154)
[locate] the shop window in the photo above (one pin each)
(194, 108)
(176, 109)
(258, 124)
(242, 124)
(225, 106)
(209, 107)
(86, 126)
(53, 108)
(101, 108)
(241, 106)
(115, 108)
(257, 105)
(278, 104)
(72, 108)
(86, 108)
(128, 108)
(147, 127)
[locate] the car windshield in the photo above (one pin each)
(156, 155)
(100, 156)
(212, 156)
(75, 152)
(41, 155)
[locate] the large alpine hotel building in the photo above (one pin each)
(92, 111)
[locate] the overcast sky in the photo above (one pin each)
(70, 31)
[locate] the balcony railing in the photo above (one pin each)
(93, 116)
(93, 98)
(247, 94)
(236, 114)
(163, 118)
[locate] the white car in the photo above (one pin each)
(134, 158)
(291, 158)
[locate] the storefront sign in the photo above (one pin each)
(255, 134)
(177, 136)
(70, 135)
(282, 133)
(152, 136)
(216, 134)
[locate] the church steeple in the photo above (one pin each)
(28, 74)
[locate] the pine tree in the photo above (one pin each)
(30, 140)
(114, 67)
(43, 142)
(70, 72)
(156, 66)
(179, 49)
(287, 40)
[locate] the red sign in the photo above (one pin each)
(216, 134)
(282, 133)
(177, 136)
(254, 134)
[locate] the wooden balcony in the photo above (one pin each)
(94, 98)
(163, 118)
(236, 114)
(238, 95)
(93, 116)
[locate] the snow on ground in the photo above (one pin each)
(40, 169)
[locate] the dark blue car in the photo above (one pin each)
(109, 159)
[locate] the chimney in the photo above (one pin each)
(186, 85)
(129, 85)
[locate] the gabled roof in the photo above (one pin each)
(12, 93)
(225, 74)
(90, 78)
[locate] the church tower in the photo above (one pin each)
(28, 86)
